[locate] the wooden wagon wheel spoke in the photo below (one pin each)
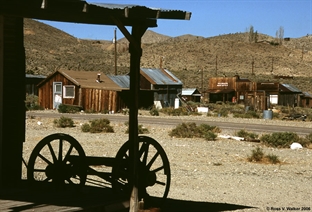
(60, 157)
(45, 159)
(51, 162)
(158, 169)
(144, 150)
(68, 153)
(52, 152)
(160, 183)
(152, 160)
(153, 168)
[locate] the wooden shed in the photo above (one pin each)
(89, 90)
(191, 94)
(163, 85)
(289, 95)
(31, 83)
(306, 100)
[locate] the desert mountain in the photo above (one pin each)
(48, 49)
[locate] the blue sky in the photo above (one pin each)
(212, 18)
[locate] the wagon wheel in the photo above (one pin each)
(51, 162)
(154, 170)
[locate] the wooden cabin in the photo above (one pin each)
(89, 90)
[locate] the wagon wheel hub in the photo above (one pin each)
(58, 171)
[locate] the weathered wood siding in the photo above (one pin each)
(288, 99)
(101, 100)
(306, 102)
(243, 86)
(269, 87)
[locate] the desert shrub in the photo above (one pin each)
(280, 139)
(309, 137)
(210, 136)
(85, 127)
(224, 112)
(249, 114)
(257, 155)
(141, 129)
(154, 112)
(68, 108)
(305, 141)
(272, 158)
(63, 122)
(31, 102)
(207, 128)
(97, 126)
(246, 135)
(190, 130)
(181, 111)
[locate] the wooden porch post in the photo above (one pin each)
(135, 59)
(12, 97)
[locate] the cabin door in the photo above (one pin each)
(57, 94)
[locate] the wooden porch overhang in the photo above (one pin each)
(12, 13)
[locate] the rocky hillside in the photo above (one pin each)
(48, 49)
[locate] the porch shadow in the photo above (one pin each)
(95, 199)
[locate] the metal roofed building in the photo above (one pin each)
(191, 94)
(164, 85)
(289, 95)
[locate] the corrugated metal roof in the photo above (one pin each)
(289, 88)
(188, 91)
(122, 80)
(307, 95)
(35, 76)
(150, 12)
(160, 76)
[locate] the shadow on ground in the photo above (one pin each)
(94, 199)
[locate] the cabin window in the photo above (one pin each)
(69, 91)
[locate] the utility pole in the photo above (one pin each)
(216, 65)
(202, 80)
(252, 66)
(115, 44)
